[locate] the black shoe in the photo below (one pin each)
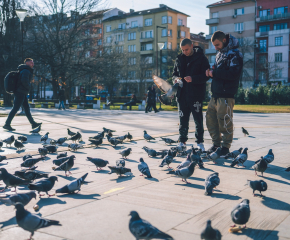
(212, 149)
(224, 151)
(157, 111)
(8, 127)
(35, 125)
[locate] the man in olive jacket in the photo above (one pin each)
(190, 66)
(20, 95)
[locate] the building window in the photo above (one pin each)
(164, 19)
(120, 37)
(99, 30)
(121, 25)
(278, 57)
(213, 29)
(170, 20)
(87, 32)
(278, 73)
(239, 11)
(134, 24)
(264, 13)
(148, 73)
(165, 45)
(263, 45)
(164, 59)
(108, 40)
(169, 45)
(278, 41)
(88, 54)
(170, 33)
(99, 42)
(279, 26)
(146, 47)
(180, 22)
(182, 34)
(119, 49)
(239, 27)
(100, 53)
(262, 59)
(132, 74)
(132, 61)
(148, 22)
(241, 41)
(163, 33)
(148, 60)
(149, 34)
(132, 36)
(262, 75)
(215, 15)
(280, 10)
(108, 28)
(132, 48)
(264, 28)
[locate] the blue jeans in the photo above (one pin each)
(20, 99)
(61, 104)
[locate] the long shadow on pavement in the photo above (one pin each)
(258, 234)
(80, 196)
(11, 221)
(275, 204)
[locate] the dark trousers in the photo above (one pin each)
(185, 109)
(130, 104)
(61, 105)
(20, 99)
(149, 105)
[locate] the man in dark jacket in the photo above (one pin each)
(20, 95)
(151, 99)
(190, 66)
(61, 95)
(225, 82)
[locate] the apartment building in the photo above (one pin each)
(236, 17)
(199, 40)
(142, 34)
(272, 41)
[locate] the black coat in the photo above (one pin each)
(25, 77)
(61, 95)
(151, 96)
(196, 69)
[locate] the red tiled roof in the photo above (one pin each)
(224, 2)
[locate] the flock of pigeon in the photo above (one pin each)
(40, 182)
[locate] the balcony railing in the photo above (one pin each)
(273, 17)
(262, 34)
(212, 21)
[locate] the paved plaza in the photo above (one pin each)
(100, 210)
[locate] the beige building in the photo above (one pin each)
(236, 17)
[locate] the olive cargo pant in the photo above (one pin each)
(219, 121)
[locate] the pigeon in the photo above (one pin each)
(31, 222)
(167, 88)
(144, 169)
(233, 154)
(11, 180)
(30, 162)
(120, 163)
(215, 155)
(241, 158)
(260, 166)
(245, 132)
(167, 160)
(195, 157)
(163, 153)
(106, 130)
(26, 157)
(269, 157)
(147, 136)
(287, 169)
(96, 142)
(36, 130)
(129, 136)
(18, 144)
(110, 134)
(210, 233)
(74, 146)
(100, 163)
(258, 185)
(73, 186)
(185, 163)
(9, 140)
(119, 170)
(151, 152)
(42, 151)
(66, 166)
(1, 144)
(60, 155)
(100, 135)
(125, 153)
(22, 138)
(168, 140)
(211, 182)
(60, 141)
(30, 174)
(113, 141)
(122, 138)
(141, 229)
(70, 133)
(43, 185)
(2, 158)
(52, 142)
(180, 148)
(44, 137)
(51, 148)
(76, 137)
(241, 213)
(60, 161)
(184, 172)
(12, 199)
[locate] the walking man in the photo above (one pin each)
(190, 66)
(225, 82)
(151, 99)
(61, 95)
(20, 95)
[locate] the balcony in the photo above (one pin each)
(279, 32)
(262, 34)
(146, 39)
(143, 52)
(208, 37)
(212, 21)
(273, 17)
(210, 51)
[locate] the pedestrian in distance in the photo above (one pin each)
(151, 99)
(61, 96)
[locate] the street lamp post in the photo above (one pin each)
(157, 47)
(160, 46)
(21, 13)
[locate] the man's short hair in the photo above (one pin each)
(218, 35)
(28, 60)
(185, 41)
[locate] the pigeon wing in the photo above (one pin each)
(163, 85)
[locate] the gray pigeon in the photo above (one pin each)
(121, 138)
(66, 166)
(245, 132)
(36, 130)
(144, 169)
(151, 152)
(215, 155)
(51, 148)
(60, 161)
(100, 163)
(22, 138)
(96, 142)
(167, 160)
(141, 229)
(125, 153)
(195, 157)
(129, 136)
(168, 140)
(113, 141)
(185, 163)
(119, 170)
(74, 146)
(70, 133)
(210, 233)
(2, 158)
(73, 186)
(61, 141)
(260, 166)
(9, 140)
(269, 157)
(43, 185)
(44, 137)
(11, 180)
(1, 144)
(18, 144)
(30, 174)
(241, 213)
(60, 155)
(12, 199)
(233, 154)
(42, 151)
(211, 182)
(241, 158)
(106, 130)
(100, 135)
(120, 163)
(76, 137)
(52, 142)
(31, 222)
(26, 157)
(258, 185)
(30, 162)
(185, 172)
(147, 136)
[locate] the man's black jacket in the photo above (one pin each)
(26, 74)
(61, 95)
(196, 69)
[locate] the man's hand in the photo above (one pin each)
(206, 72)
(188, 79)
(210, 73)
